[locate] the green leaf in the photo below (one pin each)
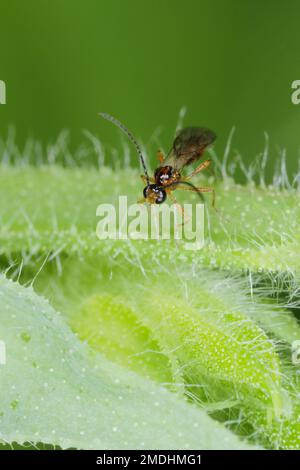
(52, 392)
(223, 340)
(216, 338)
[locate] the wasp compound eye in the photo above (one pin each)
(154, 194)
(161, 196)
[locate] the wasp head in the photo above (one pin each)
(154, 194)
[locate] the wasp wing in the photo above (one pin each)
(188, 146)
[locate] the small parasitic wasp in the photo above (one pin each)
(188, 147)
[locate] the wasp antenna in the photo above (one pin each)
(123, 128)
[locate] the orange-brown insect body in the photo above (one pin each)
(188, 147)
(165, 175)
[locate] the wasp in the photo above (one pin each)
(188, 147)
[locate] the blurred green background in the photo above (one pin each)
(230, 62)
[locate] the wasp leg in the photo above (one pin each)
(199, 168)
(179, 207)
(201, 190)
(144, 179)
(160, 156)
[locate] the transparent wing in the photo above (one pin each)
(188, 146)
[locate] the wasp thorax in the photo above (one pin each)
(163, 175)
(154, 194)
